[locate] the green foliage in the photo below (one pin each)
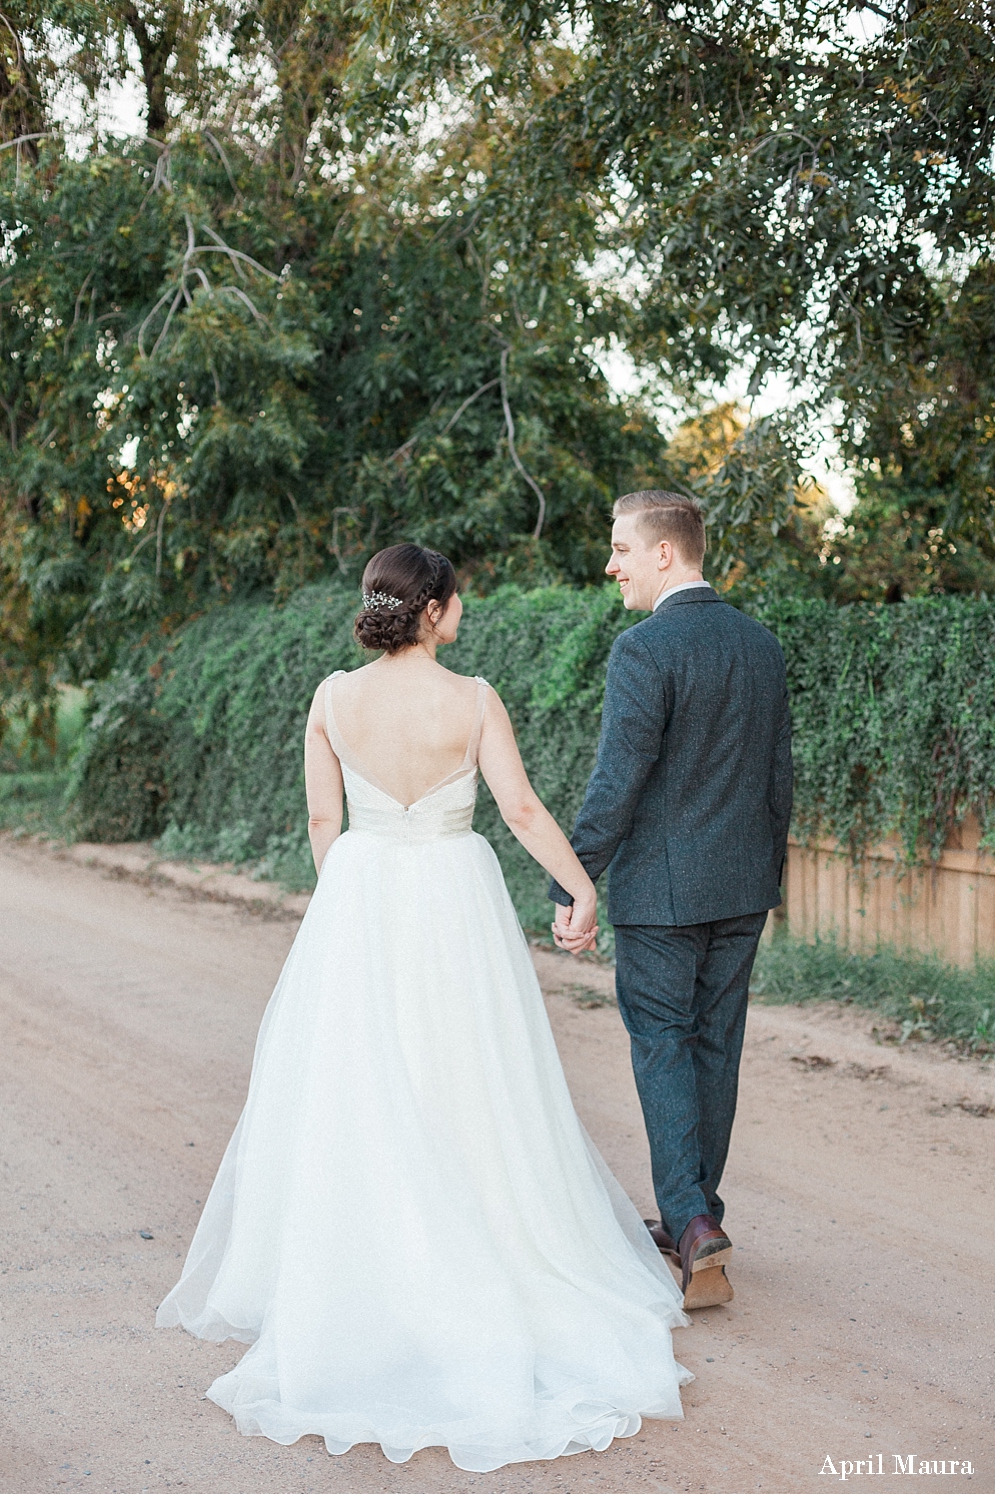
(894, 718)
(898, 542)
(291, 392)
(200, 740)
(313, 312)
(34, 772)
(781, 170)
(24, 751)
(927, 450)
(355, 287)
(34, 804)
(924, 995)
(117, 787)
(555, 704)
(799, 188)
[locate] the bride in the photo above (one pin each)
(410, 1225)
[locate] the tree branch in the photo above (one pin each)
(404, 450)
(509, 422)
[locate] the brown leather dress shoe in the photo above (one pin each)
(705, 1251)
(663, 1242)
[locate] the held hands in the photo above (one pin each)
(576, 928)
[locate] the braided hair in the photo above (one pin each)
(398, 584)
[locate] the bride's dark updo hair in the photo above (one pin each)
(398, 585)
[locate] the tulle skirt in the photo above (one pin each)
(410, 1226)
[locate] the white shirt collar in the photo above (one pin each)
(673, 590)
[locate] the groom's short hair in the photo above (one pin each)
(670, 517)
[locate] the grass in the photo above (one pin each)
(34, 775)
(923, 995)
(34, 803)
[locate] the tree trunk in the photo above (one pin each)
(21, 110)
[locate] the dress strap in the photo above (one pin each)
(473, 746)
(331, 729)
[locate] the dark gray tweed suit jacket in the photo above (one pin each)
(689, 801)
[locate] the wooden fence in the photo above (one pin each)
(946, 909)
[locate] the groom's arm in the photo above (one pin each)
(633, 720)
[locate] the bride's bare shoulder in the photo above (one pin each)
(462, 684)
(339, 677)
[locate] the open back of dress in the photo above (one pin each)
(349, 759)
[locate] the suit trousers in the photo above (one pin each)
(682, 993)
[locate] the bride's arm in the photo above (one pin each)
(323, 782)
(527, 817)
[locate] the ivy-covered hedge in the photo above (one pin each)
(894, 718)
(199, 741)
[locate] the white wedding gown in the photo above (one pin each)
(410, 1225)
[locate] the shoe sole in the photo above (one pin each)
(710, 1257)
(709, 1287)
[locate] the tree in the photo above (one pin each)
(781, 189)
(353, 284)
(217, 383)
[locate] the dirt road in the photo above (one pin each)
(859, 1196)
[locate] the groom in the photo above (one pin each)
(688, 805)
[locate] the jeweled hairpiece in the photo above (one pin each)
(373, 601)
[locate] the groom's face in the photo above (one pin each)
(637, 565)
